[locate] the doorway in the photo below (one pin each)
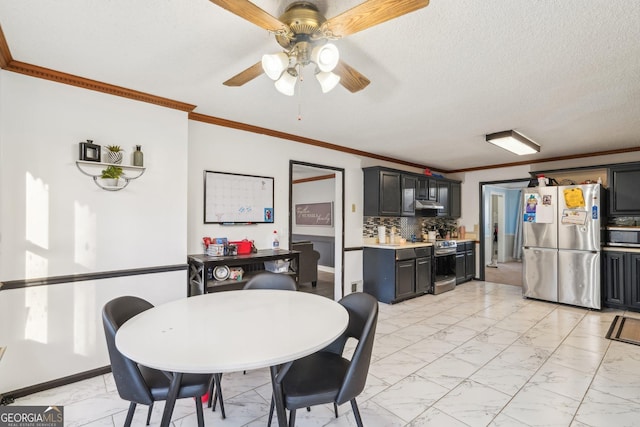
(322, 187)
(500, 252)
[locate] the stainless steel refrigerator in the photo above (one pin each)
(561, 244)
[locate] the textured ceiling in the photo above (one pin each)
(565, 73)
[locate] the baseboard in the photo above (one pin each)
(10, 396)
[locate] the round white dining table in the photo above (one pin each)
(231, 331)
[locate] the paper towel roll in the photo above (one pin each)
(382, 234)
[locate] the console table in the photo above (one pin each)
(200, 280)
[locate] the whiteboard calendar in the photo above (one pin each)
(231, 198)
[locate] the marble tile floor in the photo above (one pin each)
(480, 355)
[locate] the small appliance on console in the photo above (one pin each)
(445, 260)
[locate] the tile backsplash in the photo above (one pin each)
(406, 226)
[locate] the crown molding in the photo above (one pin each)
(549, 159)
(70, 79)
(5, 53)
(296, 138)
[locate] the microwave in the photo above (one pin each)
(623, 236)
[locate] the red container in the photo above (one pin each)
(244, 246)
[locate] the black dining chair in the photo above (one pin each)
(328, 377)
(269, 280)
(263, 280)
(141, 384)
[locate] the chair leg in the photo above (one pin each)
(218, 378)
(212, 388)
(199, 414)
(271, 408)
(149, 413)
(335, 409)
(356, 412)
(132, 410)
(314, 283)
(292, 418)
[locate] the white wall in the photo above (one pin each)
(56, 221)
(229, 150)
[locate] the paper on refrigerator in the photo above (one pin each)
(538, 209)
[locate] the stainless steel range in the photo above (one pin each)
(445, 269)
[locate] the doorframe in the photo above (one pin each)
(481, 234)
(338, 275)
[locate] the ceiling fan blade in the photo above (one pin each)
(252, 13)
(370, 13)
(245, 76)
(351, 79)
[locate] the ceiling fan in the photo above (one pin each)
(303, 32)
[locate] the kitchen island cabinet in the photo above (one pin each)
(395, 273)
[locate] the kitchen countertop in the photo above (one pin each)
(407, 245)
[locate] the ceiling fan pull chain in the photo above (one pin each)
(301, 79)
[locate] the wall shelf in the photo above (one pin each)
(94, 170)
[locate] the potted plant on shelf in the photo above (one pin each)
(114, 154)
(111, 175)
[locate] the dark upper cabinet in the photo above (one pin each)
(390, 192)
(455, 200)
(382, 195)
(443, 188)
(624, 197)
(409, 186)
(427, 189)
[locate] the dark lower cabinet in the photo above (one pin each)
(621, 280)
(395, 275)
(470, 261)
(424, 268)
(461, 269)
(405, 278)
(465, 262)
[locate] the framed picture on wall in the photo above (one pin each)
(315, 214)
(231, 198)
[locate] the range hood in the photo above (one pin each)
(428, 204)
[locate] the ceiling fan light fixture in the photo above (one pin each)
(511, 140)
(327, 80)
(286, 84)
(275, 64)
(325, 56)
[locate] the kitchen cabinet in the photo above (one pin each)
(391, 192)
(461, 267)
(624, 197)
(470, 260)
(382, 195)
(443, 188)
(427, 189)
(465, 262)
(409, 184)
(621, 276)
(455, 203)
(393, 275)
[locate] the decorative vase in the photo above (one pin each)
(110, 182)
(114, 157)
(138, 157)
